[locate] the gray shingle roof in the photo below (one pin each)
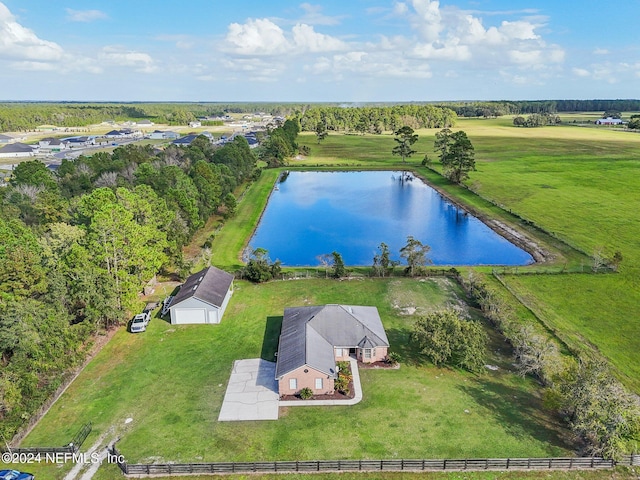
(209, 285)
(16, 148)
(309, 335)
(186, 140)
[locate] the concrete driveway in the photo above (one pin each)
(252, 392)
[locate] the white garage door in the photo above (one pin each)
(190, 315)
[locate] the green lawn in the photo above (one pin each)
(171, 381)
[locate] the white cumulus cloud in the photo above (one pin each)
(256, 37)
(262, 37)
(448, 33)
(307, 39)
(22, 44)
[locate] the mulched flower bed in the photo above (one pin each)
(376, 365)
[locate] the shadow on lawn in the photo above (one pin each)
(270, 338)
(400, 343)
(520, 414)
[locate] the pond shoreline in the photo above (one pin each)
(516, 238)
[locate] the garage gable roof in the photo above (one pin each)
(209, 285)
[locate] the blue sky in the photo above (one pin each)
(348, 50)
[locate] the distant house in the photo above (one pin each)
(51, 145)
(313, 339)
(145, 123)
(195, 124)
(16, 150)
(115, 134)
(252, 139)
(6, 139)
(202, 298)
(160, 135)
(609, 121)
(76, 142)
(124, 133)
(185, 141)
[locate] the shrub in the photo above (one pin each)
(341, 385)
(306, 393)
(393, 358)
(343, 366)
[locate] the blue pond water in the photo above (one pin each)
(311, 213)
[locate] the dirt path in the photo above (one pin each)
(96, 454)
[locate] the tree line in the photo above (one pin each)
(24, 116)
(80, 243)
(377, 119)
(499, 108)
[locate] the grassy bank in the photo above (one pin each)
(230, 241)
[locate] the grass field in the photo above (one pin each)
(171, 381)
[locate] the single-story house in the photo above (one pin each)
(15, 150)
(195, 124)
(51, 144)
(609, 121)
(81, 141)
(160, 135)
(185, 141)
(145, 123)
(313, 339)
(169, 135)
(202, 298)
(115, 134)
(124, 133)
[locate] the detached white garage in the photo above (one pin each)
(202, 298)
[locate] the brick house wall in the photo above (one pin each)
(305, 377)
(378, 354)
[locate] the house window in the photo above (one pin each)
(293, 384)
(339, 352)
(318, 384)
(367, 353)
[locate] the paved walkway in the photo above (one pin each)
(252, 392)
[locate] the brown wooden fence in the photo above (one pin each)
(577, 463)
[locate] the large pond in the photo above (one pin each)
(313, 213)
